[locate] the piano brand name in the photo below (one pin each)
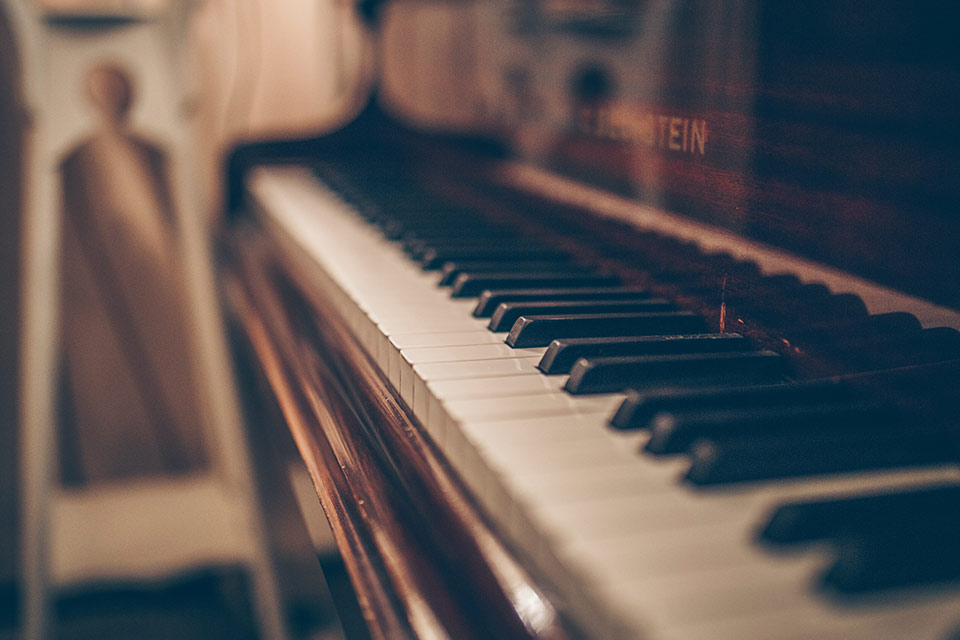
(640, 127)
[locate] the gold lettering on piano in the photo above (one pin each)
(698, 135)
(639, 127)
(674, 143)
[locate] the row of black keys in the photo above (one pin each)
(707, 395)
(611, 337)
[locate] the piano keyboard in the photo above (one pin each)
(610, 516)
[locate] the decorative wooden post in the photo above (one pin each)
(206, 515)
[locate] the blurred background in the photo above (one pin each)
(256, 68)
(130, 412)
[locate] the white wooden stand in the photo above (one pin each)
(147, 529)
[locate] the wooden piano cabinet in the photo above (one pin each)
(420, 557)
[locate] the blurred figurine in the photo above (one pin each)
(131, 399)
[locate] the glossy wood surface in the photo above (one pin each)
(420, 556)
(827, 128)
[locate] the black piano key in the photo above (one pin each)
(835, 307)
(676, 432)
(941, 343)
(427, 214)
(640, 406)
(807, 521)
(431, 256)
(395, 228)
(540, 331)
(415, 243)
(848, 338)
(450, 271)
(434, 255)
(750, 459)
(429, 218)
(472, 285)
(508, 312)
(607, 375)
(491, 299)
(901, 555)
(453, 232)
(562, 354)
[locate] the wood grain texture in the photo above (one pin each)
(833, 134)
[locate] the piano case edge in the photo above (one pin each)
(419, 553)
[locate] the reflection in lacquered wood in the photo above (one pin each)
(423, 562)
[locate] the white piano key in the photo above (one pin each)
(495, 387)
(535, 447)
(458, 371)
(669, 546)
(451, 355)
(401, 342)
(539, 430)
(446, 416)
(933, 617)
(691, 597)
(406, 361)
(494, 463)
(429, 325)
(530, 406)
(622, 516)
(469, 369)
(417, 340)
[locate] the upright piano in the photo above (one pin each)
(626, 319)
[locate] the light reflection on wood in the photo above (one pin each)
(429, 582)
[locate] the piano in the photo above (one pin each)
(625, 319)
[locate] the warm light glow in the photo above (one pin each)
(723, 304)
(534, 612)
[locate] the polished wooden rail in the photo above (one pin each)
(422, 560)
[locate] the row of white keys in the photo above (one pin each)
(612, 525)
(921, 614)
(383, 294)
(574, 496)
(701, 546)
(568, 470)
